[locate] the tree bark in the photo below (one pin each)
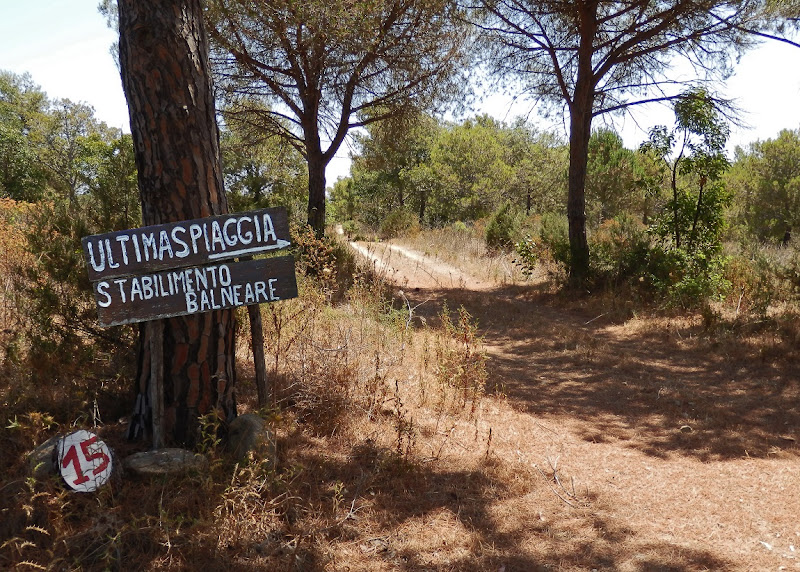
(316, 191)
(167, 82)
(580, 130)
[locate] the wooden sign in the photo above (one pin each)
(162, 271)
(189, 243)
(192, 290)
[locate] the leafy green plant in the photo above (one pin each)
(619, 251)
(687, 262)
(554, 236)
(527, 255)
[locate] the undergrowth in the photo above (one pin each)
(354, 383)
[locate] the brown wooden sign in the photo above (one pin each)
(189, 243)
(192, 290)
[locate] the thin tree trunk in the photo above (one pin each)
(693, 234)
(675, 207)
(167, 82)
(257, 336)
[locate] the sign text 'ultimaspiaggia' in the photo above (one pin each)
(187, 243)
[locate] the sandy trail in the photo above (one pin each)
(683, 459)
(411, 269)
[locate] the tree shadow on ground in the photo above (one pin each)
(426, 516)
(665, 391)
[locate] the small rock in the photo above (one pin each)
(248, 433)
(168, 461)
(43, 460)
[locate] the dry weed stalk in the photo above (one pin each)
(460, 361)
(568, 494)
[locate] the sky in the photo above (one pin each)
(65, 46)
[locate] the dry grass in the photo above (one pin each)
(465, 250)
(530, 431)
(12, 256)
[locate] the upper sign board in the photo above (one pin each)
(184, 244)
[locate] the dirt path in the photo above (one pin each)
(664, 449)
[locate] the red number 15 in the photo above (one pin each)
(72, 457)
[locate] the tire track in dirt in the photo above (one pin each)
(689, 458)
(411, 269)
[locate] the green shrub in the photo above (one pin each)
(501, 233)
(687, 279)
(527, 255)
(399, 222)
(619, 252)
(351, 229)
(55, 293)
(554, 237)
(460, 226)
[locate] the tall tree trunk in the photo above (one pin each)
(167, 82)
(316, 190)
(580, 129)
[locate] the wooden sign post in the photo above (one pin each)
(162, 271)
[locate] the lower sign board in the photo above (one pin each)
(193, 290)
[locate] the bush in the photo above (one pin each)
(686, 279)
(501, 233)
(13, 257)
(554, 237)
(754, 282)
(399, 222)
(55, 295)
(460, 226)
(619, 250)
(789, 269)
(326, 261)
